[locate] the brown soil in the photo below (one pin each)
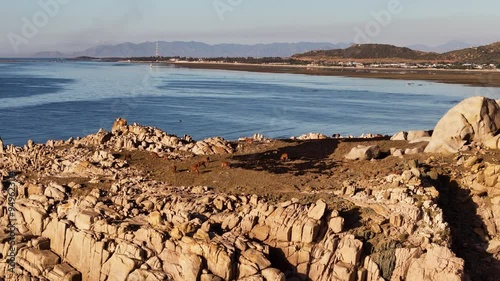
(314, 167)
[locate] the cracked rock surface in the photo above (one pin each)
(110, 206)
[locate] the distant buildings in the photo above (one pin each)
(350, 64)
(406, 65)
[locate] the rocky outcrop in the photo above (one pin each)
(311, 136)
(132, 137)
(475, 119)
(194, 234)
(413, 136)
(211, 146)
(90, 157)
(483, 181)
(400, 136)
(439, 263)
(127, 226)
(120, 125)
(408, 151)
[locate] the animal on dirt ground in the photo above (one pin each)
(194, 169)
(284, 157)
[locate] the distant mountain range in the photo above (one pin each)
(444, 48)
(197, 49)
(489, 54)
(49, 54)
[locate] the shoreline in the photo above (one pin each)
(483, 78)
(473, 77)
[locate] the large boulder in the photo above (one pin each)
(362, 152)
(400, 136)
(418, 136)
(475, 119)
(413, 136)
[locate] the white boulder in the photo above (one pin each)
(475, 119)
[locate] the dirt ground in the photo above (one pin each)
(313, 167)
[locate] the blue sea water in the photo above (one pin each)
(43, 100)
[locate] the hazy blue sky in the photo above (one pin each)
(80, 24)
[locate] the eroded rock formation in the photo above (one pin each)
(123, 225)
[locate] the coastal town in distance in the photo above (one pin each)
(358, 60)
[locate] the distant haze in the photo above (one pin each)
(449, 46)
(198, 49)
(70, 26)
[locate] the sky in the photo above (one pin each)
(29, 26)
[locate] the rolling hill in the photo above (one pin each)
(369, 52)
(489, 54)
(483, 54)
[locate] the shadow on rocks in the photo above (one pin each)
(460, 211)
(310, 156)
(278, 260)
(352, 218)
